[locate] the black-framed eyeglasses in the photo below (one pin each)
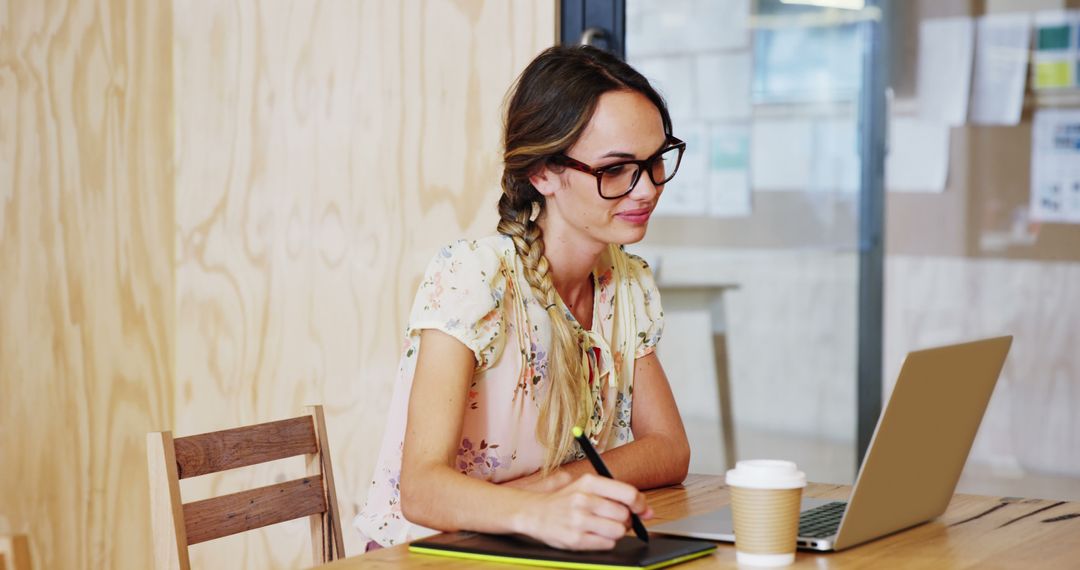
(618, 179)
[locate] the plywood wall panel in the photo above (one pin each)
(324, 151)
(86, 315)
(212, 213)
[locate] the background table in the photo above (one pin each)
(680, 296)
(975, 532)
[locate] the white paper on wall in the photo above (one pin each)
(946, 46)
(719, 25)
(666, 27)
(673, 77)
(1055, 166)
(729, 174)
(687, 193)
(1001, 57)
(835, 166)
(723, 86)
(780, 154)
(918, 158)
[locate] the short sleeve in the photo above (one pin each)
(648, 313)
(461, 295)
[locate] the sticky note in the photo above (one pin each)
(1052, 74)
(1053, 37)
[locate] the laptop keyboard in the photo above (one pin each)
(823, 521)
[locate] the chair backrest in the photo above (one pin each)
(14, 552)
(176, 525)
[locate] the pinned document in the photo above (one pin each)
(918, 159)
(780, 157)
(1001, 58)
(664, 27)
(946, 46)
(686, 194)
(729, 174)
(723, 85)
(673, 77)
(1056, 55)
(1055, 166)
(835, 165)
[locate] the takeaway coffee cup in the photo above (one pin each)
(765, 498)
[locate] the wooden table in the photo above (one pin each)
(975, 532)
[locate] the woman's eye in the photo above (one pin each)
(615, 170)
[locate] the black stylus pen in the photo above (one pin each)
(602, 470)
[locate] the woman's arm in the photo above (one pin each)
(659, 454)
(589, 513)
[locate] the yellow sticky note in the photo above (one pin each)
(1051, 74)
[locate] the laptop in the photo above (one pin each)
(914, 460)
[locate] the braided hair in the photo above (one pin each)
(548, 109)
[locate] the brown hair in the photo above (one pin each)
(549, 107)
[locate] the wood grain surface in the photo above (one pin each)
(213, 213)
(15, 553)
(255, 508)
(239, 447)
(325, 150)
(974, 532)
(86, 284)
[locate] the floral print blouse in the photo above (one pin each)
(474, 290)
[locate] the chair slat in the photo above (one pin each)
(256, 508)
(14, 552)
(239, 447)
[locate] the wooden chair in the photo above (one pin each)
(14, 552)
(177, 525)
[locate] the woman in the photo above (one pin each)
(516, 338)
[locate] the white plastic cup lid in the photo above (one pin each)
(766, 474)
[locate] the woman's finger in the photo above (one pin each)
(614, 490)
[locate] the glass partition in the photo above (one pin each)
(968, 193)
(757, 240)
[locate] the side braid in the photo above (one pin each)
(563, 407)
(547, 110)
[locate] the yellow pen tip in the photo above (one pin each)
(577, 431)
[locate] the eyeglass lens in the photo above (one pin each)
(622, 179)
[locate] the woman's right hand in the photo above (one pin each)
(589, 513)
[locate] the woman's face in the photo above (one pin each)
(625, 125)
